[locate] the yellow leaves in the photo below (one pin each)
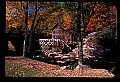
(14, 25)
(8, 18)
(56, 13)
(19, 2)
(8, 11)
(49, 24)
(54, 7)
(7, 2)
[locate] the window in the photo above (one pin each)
(58, 31)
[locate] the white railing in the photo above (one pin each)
(48, 41)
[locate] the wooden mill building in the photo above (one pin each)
(58, 32)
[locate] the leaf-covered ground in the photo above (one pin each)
(18, 66)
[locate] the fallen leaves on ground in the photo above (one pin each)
(51, 70)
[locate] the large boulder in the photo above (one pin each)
(90, 46)
(91, 49)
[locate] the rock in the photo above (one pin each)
(57, 56)
(76, 50)
(65, 57)
(82, 67)
(90, 47)
(63, 67)
(10, 46)
(78, 67)
(68, 67)
(62, 62)
(52, 54)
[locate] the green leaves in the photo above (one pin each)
(62, 4)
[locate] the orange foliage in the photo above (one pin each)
(29, 24)
(67, 22)
(42, 12)
(89, 29)
(103, 15)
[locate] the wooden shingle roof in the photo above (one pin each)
(56, 26)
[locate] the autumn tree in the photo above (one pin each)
(104, 15)
(18, 13)
(84, 13)
(34, 15)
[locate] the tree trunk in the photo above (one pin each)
(79, 57)
(26, 30)
(37, 22)
(32, 30)
(79, 37)
(80, 40)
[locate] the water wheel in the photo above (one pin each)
(61, 45)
